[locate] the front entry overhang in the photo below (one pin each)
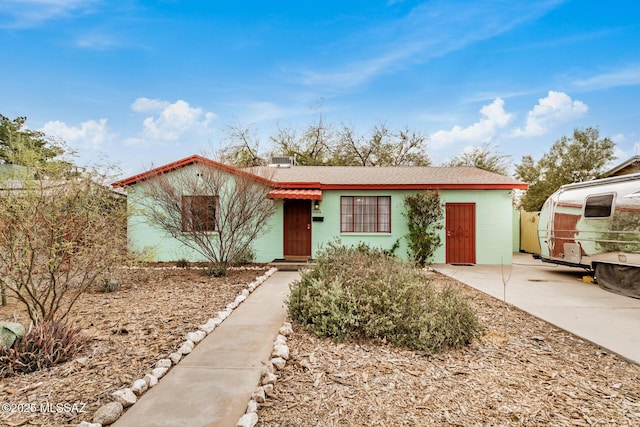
(303, 194)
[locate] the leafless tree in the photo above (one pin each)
(320, 144)
(217, 212)
(243, 146)
(382, 148)
(486, 157)
(60, 233)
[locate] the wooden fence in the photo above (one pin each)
(529, 232)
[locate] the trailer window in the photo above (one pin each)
(598, 206)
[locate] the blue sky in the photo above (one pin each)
(141, 83)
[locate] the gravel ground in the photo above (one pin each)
(523, 371)
(129, 330)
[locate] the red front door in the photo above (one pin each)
(461, 233)
(297, 229)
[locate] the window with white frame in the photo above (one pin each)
(365, 214)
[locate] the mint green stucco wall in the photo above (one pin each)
(150, 242)
(330, 227)
(270, 245)
(494, 228)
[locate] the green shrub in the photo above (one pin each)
(109, 285)
(424, 213)
(246, 257)
(363, 293)
(46, 344)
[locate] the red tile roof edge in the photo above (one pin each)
(305, 194)
(186, 162)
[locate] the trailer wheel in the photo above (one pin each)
(621, 279)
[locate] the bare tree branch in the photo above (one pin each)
(58, 237)
(242, 210)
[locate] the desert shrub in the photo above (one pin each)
(46, 344)
(358, 292)
(215, 270)
(109, 285)
(182, 263)
(247, 256)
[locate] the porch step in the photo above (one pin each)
(284, 265)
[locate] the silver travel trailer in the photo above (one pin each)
(596, 225)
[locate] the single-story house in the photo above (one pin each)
(316, 204)
(632, 165)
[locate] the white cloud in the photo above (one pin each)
(172, 121)
(91, 133)
(618, 138)
(629, 76)
(430, 30)
(31, 13)
(135, 141)
(619, 154)
(484, 130)
(145, 104)
(555, 108)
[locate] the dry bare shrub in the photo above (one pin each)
(61, 232)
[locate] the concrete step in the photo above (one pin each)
(284, 265)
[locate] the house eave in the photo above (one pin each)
(197, 159)
(425, 186)
(187, 161)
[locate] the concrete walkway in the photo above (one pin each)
(213, 384)
(558, 295)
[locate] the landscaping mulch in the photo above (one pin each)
(128, 332)
(524, 371)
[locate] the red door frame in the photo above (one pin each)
(460, 233)
(297, 229)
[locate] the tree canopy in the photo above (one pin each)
(321, 144)
(22, 146)
(580, 157)
(484, 157)
(324, 144)
(242, 150)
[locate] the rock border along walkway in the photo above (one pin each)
(129, 396)
(279, 358)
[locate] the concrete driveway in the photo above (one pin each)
(558, 295)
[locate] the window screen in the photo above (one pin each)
(365, 214)
(199, 213)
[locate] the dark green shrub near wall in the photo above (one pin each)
(424, 213)
(362, 293)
